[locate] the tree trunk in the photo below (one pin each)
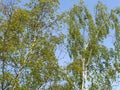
(84, 75)
(3, 65)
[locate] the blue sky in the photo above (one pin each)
(65, 5)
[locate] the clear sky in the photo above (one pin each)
(65, 5)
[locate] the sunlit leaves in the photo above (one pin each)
(86, 41)
(27, 46)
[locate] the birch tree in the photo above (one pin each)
(28, 44)
(93, 62)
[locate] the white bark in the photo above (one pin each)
(84, 75)
(84, 70)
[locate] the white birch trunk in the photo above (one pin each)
(84, 75)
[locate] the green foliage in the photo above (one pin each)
(27, 45)
(86, 39)
(30, 35)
